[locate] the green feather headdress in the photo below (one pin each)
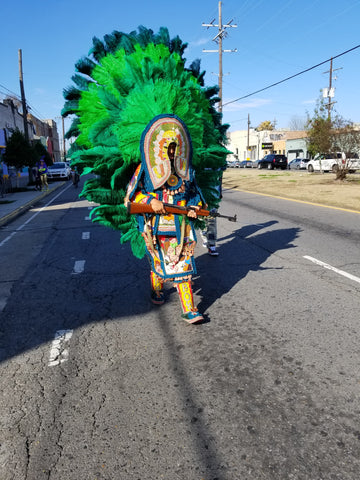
(124, 82)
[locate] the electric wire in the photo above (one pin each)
(40, 116)
(12, 93)
(292, 76)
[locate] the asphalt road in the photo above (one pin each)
(96, 383)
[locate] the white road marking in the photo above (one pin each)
(32, 217)
(9, 237)
(78, 267)
(59, 354)
(85, 235)
(334, 269)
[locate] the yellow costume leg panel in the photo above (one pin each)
(190, 313)
(186, 296)
(157, 295)
(156, 282)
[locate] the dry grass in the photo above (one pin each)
(298, 185)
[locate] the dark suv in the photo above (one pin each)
(272, 161)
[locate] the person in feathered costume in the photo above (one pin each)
(141, 115)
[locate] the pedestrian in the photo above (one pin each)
(209, 235)
(43, 174)
(75, 176)
(37, 178)
(157, 131)
(169, 238)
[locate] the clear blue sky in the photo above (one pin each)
(275, 39)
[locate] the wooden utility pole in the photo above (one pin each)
(329, 93)
(24, 109)
(218, 39)
(23, 100)
(330, 87)
(63, 133)
(248, 133)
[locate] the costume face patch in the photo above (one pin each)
(158, 135)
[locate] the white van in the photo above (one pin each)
(330, 162)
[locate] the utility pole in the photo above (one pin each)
(23, 100)
(61, 139)
(63, 134)
(24, 109)
(329, 92)
(248, 139)
(218, 39)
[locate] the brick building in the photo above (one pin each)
(11, 118)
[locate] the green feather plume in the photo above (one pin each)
(124, 82)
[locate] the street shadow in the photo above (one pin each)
(116, 288)
(244, 250)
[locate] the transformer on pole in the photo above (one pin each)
(218, 39)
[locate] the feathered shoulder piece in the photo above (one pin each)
(124, 83)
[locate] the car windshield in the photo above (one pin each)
(58, 165)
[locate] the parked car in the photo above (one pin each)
(255, 163)
(330, 162)
(272, 161)
(59, 171)
(298, 164)
(235, 164)
(245, 164)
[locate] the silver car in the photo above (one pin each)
(59, 171)
(298, 164)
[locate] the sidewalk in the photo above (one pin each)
(19, 202)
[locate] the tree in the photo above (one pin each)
(38, 151)
(18, 152)
(345, 139)
(318, 135)
(297, 123)
(266, 125)
(326, 135)
(318, 130)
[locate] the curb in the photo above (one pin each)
(26, 206)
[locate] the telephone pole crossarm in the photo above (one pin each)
(228, 25)
(218, 39)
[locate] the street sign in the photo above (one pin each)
(267, 146)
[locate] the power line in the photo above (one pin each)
(292, 76)
(15, 95)
(12, 93)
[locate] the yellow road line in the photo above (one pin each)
(297, 201)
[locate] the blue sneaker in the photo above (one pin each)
(193, 317)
